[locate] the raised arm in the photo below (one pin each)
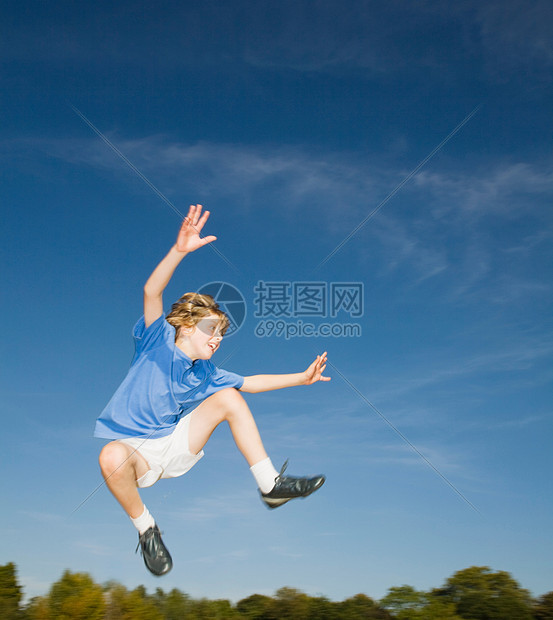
(264, 383)
(188, 240)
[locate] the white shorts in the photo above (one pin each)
(167, 457)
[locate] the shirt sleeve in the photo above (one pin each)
(155, 334)
(223, 378)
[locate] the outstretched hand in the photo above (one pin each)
(315, 371)
(189, 238)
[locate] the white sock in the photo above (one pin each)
(264, 474)
(143, 522)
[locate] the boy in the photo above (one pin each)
(174, 397)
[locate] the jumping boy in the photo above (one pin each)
(174, 397)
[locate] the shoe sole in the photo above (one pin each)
(160, 573)
(274, 502)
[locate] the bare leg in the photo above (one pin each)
(121, 467)
(227, 405)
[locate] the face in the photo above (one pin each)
(202, 340)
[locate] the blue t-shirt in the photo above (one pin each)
(161, 385)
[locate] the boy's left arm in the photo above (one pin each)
(264, 383)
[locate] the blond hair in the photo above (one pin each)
(191, 308)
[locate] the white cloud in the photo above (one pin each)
(46, 518)
(501, 189)
(521, 421)
(204, 509)
(430, 389)
(298, 172)
(504, 35)
(94, 548)
(501, 35)
(402, 245)
(437, 223)
(516, 34)
(441, 457)
(285, 552)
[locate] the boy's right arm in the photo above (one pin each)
(188, 240)
(154, 287)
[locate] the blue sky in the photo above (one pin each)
(290, 121)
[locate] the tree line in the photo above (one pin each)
(475, 593)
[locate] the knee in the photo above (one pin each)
(228, 397)
(112, 457)
(229, 403)
(231, 395)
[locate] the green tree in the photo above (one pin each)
(320, 608)
(76, 597)
(257, 607)
(134, 605)
(406, 603)
(174, 605)
(361, 606)
(437, 608)
(139, 606)
(291, 603)
(10, 593)
(205, 609)
(482, 594)
(115, 596)
(37, 609)
(543, 607)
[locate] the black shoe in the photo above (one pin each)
(156, 556)
(287, 488)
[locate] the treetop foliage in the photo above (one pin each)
(475, 593)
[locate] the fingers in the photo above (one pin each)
(208, 239)
(322, 366)
(191, 215)
(195, 217)
(189, 238)
(200, 223)
(320, 360)
(194, 220)
(317, 368)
